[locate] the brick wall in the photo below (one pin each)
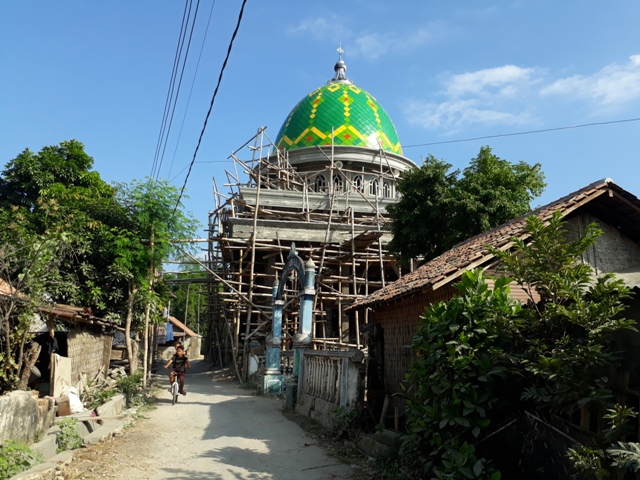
(400, 321)
(89, 351)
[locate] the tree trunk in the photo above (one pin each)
(136, 352)
(127, 330)
(31, 356)
(20, 360)
(145, 354)
(147, 312)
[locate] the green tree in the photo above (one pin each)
(439, 208)
(553, 356)
(57, 187)
(30, 273)
(156, 220)
(572, 325)
(115, 237)
(30, 175)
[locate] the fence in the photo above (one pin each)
(328, 381)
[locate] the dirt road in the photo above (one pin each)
(218, 431)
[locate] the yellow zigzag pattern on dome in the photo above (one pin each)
(349, 129)
(308, 130)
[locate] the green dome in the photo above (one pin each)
(356, 117)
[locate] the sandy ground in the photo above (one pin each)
(218, 431)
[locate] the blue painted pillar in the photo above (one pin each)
(273, 380)
(302, 339)
(274, 340)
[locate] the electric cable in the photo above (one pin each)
(176, 61)
(175, 101)
(195, 74)
(213, 99)
(522, 133)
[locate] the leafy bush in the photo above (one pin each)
(94, 397)
(453, 380)
(343, 422)
(16, 457)
(68, 436)
(131, 388)
(481, 356)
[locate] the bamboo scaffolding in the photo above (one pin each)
(242, 268)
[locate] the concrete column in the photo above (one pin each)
(273, 380)
(302, 339)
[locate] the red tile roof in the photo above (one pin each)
(473, 253)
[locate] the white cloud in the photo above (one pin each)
(374, 45)
(455, 114)
(613, 86)
(365, 44)
(482, 81)
(493, 96)
(514, 95)
(320, 28)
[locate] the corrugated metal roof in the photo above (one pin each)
(473, 252)
(183, 327)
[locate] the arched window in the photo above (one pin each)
(374, 188)
(320, 184)
(386, 190)
(337, 182)
(357, 183)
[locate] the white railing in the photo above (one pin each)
(334, 377)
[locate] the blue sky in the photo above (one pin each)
(99, 71)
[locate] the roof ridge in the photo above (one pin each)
(460, 256)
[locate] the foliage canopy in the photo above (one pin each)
(71, 238)
(439, 208)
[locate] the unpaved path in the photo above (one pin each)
(218, 431)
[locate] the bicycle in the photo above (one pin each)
(175, 389)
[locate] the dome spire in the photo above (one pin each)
(340, 68)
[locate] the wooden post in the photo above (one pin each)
(30, 358)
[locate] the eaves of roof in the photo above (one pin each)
(70, 314)
(183, 327)
(473, 253)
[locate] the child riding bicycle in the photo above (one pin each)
(180, 362)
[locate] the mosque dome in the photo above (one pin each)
(356, 117)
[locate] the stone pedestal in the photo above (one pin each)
(271, 384)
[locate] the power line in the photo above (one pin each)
(176, 61)
(213, 99)
(522, 133)
(175, 102)
(195, 74)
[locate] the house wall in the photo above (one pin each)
(612, 250)
(89, 350)
(400, 322)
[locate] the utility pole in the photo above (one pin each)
(186, 308)
(198, 317)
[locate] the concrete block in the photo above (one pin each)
(19, 416)
(380, 444)
(109, 428)
(113, 407)
(46, 447)
(46, 469)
